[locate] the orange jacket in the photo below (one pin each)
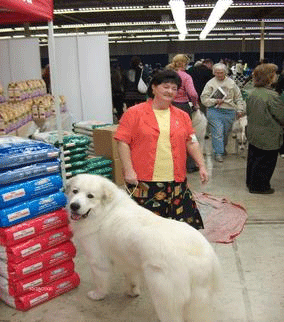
(138, 128)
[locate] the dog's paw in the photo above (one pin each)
(134, 291)
(96, 295)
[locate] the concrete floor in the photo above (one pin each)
(253, 264)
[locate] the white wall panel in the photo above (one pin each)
(5, 69)
(68, 74)
(19, 60)
(84, 76)
(95, 77)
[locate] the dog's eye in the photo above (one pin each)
(90, 196)
(75, 191)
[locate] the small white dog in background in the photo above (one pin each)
(180, 267)
(239, 133)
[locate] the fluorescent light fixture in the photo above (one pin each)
(178, 11)
(220, 8)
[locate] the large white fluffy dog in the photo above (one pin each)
(178, 264)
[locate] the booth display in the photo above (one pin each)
(35, 248)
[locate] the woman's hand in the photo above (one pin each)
(219, 101)
(203, 174)
(130, 177)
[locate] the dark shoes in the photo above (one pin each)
(264, 192)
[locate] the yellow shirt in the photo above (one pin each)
(164, 167)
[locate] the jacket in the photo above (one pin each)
(233, 99)
(265, 112)
(138, 128)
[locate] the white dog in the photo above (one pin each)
(178, 264)
(239, 133)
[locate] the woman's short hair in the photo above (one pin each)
(163, 76)
(220, 66)
(263, 74)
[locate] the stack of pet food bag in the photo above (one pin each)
(87, 128)
(77, 157)
(35, 248)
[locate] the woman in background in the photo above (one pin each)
(186, 97)
(130, 82)
(265, 112)
(224, 103)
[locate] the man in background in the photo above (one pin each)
(201, 74)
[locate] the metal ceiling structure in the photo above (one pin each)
(151, 21)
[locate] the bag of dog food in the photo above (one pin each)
(16, 151)
(34, 227)
(16, 193)
(36, 281)
(29, 172)
(20, 252)
(32, 208)
(44, 294)
(37, 264)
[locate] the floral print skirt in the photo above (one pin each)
(172, 200)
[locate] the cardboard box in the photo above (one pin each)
(117, 173)
(104, 143)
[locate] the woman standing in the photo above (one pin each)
(186, 97)
(130, 82)
(153, 140)
(265, 111)
(224, 103)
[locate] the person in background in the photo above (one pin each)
(239, 67)
(186, 97)
(201, 74)
(130, 82)
(46, 78)
(265, 112)
(222, 108)
(154, 138)
(117, 89)
(279, 87)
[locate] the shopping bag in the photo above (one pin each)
(142, 87)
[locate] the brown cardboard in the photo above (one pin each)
(117, 173)
(104, 143)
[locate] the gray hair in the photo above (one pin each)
(220, 66)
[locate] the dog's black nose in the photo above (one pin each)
(74, 206)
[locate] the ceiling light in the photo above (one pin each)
(178, 11)
(220, 8)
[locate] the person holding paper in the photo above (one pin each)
(224, 103)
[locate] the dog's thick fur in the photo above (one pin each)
(178, 264)
(239, 133)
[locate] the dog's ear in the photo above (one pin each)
(107, 194)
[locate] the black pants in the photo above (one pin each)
(117, 102)
(260, 167)
(281, 151)
(190, 163)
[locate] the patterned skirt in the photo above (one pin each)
(172, 200)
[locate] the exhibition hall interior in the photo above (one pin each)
(70, 82)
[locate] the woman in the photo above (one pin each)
(265, 111)
(187, 97)
(153, 140)
(222, 108)
(131, 80)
